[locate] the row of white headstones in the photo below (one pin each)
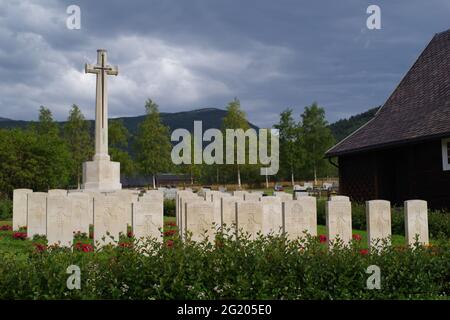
(59, 214)
(254, 214)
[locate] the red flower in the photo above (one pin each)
(169, 233)
(356, 237)
(87, 247)
(171, 224)
(169, 243)
(19, 235)
(84, 247)
(40, 247)
(5, 228)
(322, 238)
(130, 234)
(125, 245)
(364, 252)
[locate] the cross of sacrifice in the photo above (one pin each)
(101, 70)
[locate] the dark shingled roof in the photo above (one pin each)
(418, 109)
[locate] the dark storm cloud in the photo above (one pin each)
(191, 54)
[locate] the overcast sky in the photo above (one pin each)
(191, 54)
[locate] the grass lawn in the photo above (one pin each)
(7, 243)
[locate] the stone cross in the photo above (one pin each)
(101, 70)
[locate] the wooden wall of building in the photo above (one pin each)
(397, 174)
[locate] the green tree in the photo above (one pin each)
(290, 149)
(46, 124)
(152, 144)
(119, 136)
(235, 119)
(78, 138)
(32, 160)
(316, 138)
(50, 152)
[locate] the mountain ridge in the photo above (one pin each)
(211, 118)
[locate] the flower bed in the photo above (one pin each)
(267, 268)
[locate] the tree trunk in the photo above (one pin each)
(315, 175)
(154, 182)
(267, 180)
(292, 177)
(239, 177)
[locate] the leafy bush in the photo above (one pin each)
(5, 208)
(267, 268)
(438, 221)
(169, 207)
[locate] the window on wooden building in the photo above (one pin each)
(446, 154)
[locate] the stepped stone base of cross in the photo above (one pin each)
(101, 175)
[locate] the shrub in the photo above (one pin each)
(169, 207)
(5, 208)
(267, 268)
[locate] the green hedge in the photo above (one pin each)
(438, 221)
(169, 207)
(5, 208)
(268, 268)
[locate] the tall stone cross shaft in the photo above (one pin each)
(101, 69)
(101, 174)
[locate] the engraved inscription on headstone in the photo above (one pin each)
(339, 221)
(59, 221)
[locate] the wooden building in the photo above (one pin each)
(404, 151)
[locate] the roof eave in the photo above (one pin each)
(386, 145)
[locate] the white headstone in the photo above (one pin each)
(378, 219)
(252, 197)
(20, 204)
(339, 220)
(228, 211)
(340, 198)
(217, 213)
(299, 194)
(250, 218)
(37, 214)
(308, 185)
(92, 195)
(300, 216)
(183, 199)
(152, 195)
(416, 222)
(82, 211)
(239, 194)
(127, 199)
(170, 194)
(198, 220)
(272, 215)
(148, 220)
(59, 221)
(109, 218)
(284, 196)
